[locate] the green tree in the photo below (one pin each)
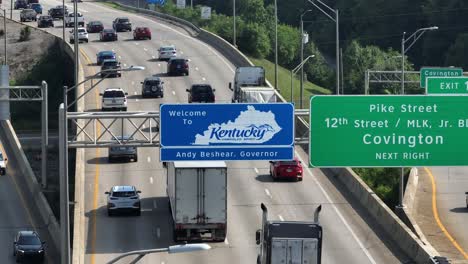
(317, 69)
(458, 52)
(288, 44)
(254, 40)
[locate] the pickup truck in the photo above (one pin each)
(28, 15)
(70, 19)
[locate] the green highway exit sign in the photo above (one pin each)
(447, 85)
(438, 72)
(388, 131)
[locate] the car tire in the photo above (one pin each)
(14, 252)
(110, 160)
(135, 158)
(124, 109)
(86, 41)
(109, 213)
(138, 212)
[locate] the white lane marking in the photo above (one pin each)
(181, 52)
(145, 49)
(173, 92)
(133, 83)
(155, 205)
(162, 262)
(149, 160)
(203, 78)
(151, 180)
(136, 43)
(120, 57)
(135, 93)
(158, 232)
(137, 100)
(159, 64)
(105, 44)
(256, 170)
(268, 193)
(226, 241)
(196, 68)
(144, 126)
(361, 245)
(153, 57)
(281, 218)
(125, 65)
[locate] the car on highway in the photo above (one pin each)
(123, 152)
(110, 68)
(33, 1)
(45, 21)
(152, 87)
(201, 93)
(167, 52)
(70, 19)
(122, 24)
(104, 55)
(82, 35)
(286, 169)
(20, 4)
(28, 15)
(123, 199)
(56, 13)
(141, 33)
(2, 164)
(63, 6)
(108, 34)
(177, 66)
(114, 99)
(28, 246)
(94, 26)
(36, 7)
(466, 199)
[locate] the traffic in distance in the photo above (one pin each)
(209, 221)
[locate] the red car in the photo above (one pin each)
(291, 169)
(141, 33)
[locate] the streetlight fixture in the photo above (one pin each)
(5, 33)
(171, 250)
(414, 37)
(336, 20)
(293, 71)
(63, 160)
(304, 40)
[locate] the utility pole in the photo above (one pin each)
(276, 45)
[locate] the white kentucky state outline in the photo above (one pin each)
(250, 127)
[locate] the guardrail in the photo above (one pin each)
(386, 218)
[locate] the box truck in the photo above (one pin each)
(289, 241)
(252, 76)
(197, 192)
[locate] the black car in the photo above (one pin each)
(45, 21)
(177, 66)
(94, 27)
(21, 4)
(28, 245)
(108, 35)
(108, 66)
(201, 93)
(56, 13)
(152, 87)
(122, 24)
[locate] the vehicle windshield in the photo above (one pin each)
(96, 23)
(81, 30)
(114, 94)
(201, 89)
(111, 64)
(29, 240)
(124, 194)
(167, 48)
(292, 162)
(108, 31)
(123, 20)
(152, 82)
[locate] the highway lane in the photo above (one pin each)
(451, 184)
(18, 213)
(348, 238)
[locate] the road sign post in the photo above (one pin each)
(388, 131)
(438, 72)
(447, 85)
(259, 131)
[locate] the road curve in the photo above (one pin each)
(348, 235)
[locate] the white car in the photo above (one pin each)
(82, 35)
(123, 199)
(114, 99)
(70, 19)
(2, 164)
(167, 52)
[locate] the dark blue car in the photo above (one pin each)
(36, 7)
(105, 55)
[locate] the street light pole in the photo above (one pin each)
(75, 38)
(337, 29)
(234, 23)
(413, 37)
(276, 45)
(5, 34)
(293, 71)
(302, 57)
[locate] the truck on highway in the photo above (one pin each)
(252, 76)
(289, 241)
(197, 192)
(249, 94)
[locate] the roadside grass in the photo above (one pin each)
(284, 83)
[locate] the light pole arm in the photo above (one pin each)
(86, 92)
(323, 11)
(85, 80)
(298, 67)
(138, 252)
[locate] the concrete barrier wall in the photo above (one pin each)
(12, 143)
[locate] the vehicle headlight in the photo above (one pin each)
(20, 251)
(40, 251)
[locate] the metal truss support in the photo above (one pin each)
(372, 76)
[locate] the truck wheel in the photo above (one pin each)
(135, 159)
(109, 213)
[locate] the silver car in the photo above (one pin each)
(123, 199)
(123, 152)
(167, 52)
